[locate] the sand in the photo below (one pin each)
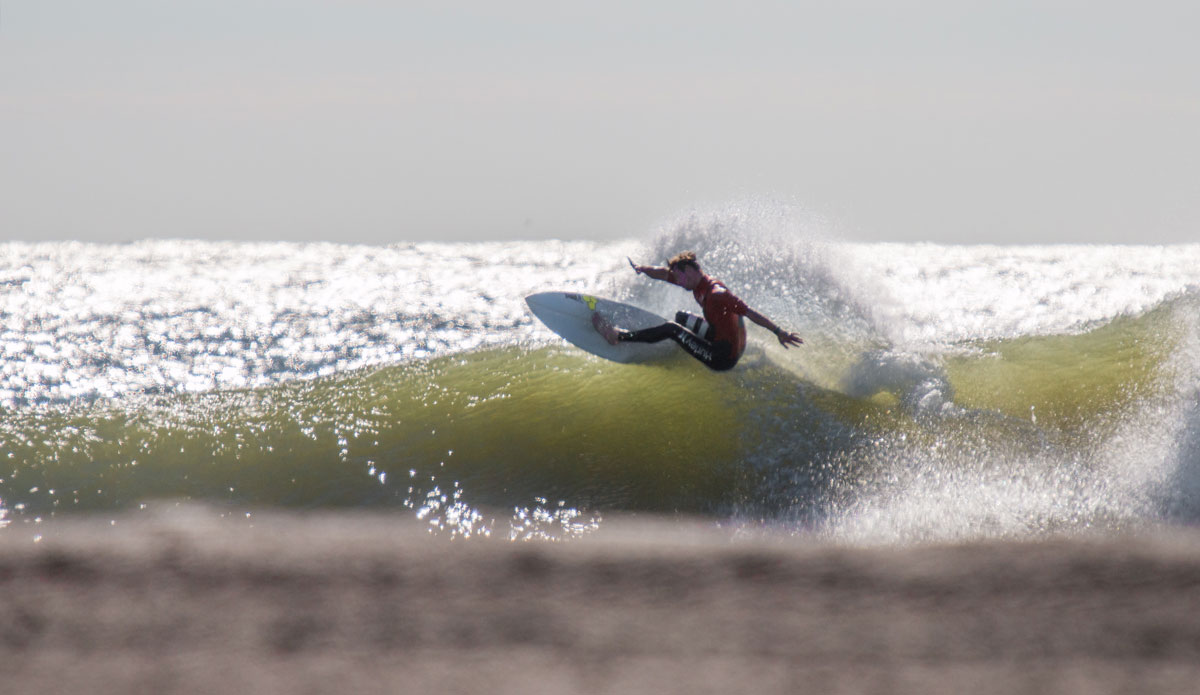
(185, 602)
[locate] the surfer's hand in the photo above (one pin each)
(639, 269)
(788, 339)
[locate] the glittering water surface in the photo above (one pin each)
(89, 321)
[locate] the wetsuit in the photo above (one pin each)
(717, 340)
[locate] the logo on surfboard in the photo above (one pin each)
(585, 298)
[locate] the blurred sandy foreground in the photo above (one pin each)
(186, 602)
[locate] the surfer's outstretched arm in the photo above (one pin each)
(652, 271)
(786, 339)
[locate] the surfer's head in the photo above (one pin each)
(684, 270)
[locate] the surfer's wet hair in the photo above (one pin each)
(681, 261)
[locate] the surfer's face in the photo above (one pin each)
(686, 276)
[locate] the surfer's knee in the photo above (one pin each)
(722, 357)
(695, 324)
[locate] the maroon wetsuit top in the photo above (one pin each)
(724, 311)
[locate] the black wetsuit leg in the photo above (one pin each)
(715, 354)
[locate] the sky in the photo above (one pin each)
(952, 121)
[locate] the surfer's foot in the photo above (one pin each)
(604, 328)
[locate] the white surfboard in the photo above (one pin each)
(570, 315)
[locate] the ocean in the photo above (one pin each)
(942, 393)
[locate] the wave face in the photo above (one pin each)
(942, 392)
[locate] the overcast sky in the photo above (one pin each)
(1021, 121)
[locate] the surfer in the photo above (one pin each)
(719, 337)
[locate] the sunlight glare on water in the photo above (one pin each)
(89, 321)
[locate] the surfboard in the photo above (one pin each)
(569, 314)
